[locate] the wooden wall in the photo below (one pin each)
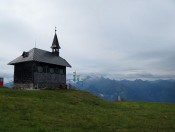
(36, 72)
(49, 73)
(23, 73)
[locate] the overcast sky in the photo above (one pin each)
(126, 38)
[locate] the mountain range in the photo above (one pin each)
(137, 90)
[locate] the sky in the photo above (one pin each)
(121, 39)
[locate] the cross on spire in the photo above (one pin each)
(55, 29)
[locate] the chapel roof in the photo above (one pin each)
(39, 55)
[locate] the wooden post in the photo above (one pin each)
(119, 98)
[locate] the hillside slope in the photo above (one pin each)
(70, 110)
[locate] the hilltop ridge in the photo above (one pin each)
(74, 110)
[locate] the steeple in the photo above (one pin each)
(55, 44)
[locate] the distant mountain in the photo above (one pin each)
(9, 84)
(138, 90)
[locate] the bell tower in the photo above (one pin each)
(55, 44)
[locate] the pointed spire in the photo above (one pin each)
(55, 44)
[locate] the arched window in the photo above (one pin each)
(61, 71)
(51, 70)
(40, 69)
(57, 70)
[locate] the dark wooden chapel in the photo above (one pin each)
(40, 69)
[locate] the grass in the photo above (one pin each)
(74, 111)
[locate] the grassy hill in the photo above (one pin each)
(71, 110)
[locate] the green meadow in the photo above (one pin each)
(74, 111)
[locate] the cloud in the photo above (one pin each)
(114, 36)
